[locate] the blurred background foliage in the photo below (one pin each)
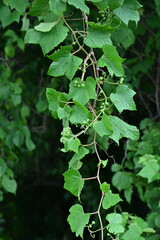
(30, 160)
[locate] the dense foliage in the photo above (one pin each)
(84, 61)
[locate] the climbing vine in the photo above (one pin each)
(79, 37)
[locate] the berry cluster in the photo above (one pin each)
(78, 83)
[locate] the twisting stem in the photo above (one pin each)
(98, 178)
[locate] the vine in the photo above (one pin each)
(88, 59)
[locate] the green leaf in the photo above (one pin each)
(112, 61)
(57, 6)
(110, 200)
(125, 36)
(128, 193)
(80, 4)
(45, 27)
(16, 99)
(97, 36)
(104, 126)
(79, 114)
(133, 233)
(78, 219)
(47, 40)
(19, 5)
(115, 3)
(72, 144)
(3, 167)
(82, 93)
(39, 7)
(102, 5)
(105, 187)
(64, 112)
(158, 6)
(64, 63)
(25, 112)
(121, 180)
(128, 11)
(123, 98)
(122, 129)
(115, 223)
(9, 185)
(29, 143)
(18, 138)
(150, 167)
(75, 163)
(54, 97)
(73, 182)
(7, 17)
(116, 167)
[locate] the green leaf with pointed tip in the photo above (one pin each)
(72, 145)
(47, 40)
(80, 4)
(7, 17)
(105, 187)
(110, 200)
(9, 185)
(73, 182)
(128, 11)
(112, 61)
(57, 6)
(115, 223)
(19, 5)
(79, 114)
(97, 36)
(150, 167)
(78, 219)
(75, 163)
(123, 98)
(83, 94)
(122, 129)
(104, 126)
(45, 27)
(64, 63)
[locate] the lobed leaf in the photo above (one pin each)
(78, 219)
(64, 63)
(123, 98)
(73, 182)
(112, 61)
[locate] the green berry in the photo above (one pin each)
(101, 78)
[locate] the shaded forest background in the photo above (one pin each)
(40, 207)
